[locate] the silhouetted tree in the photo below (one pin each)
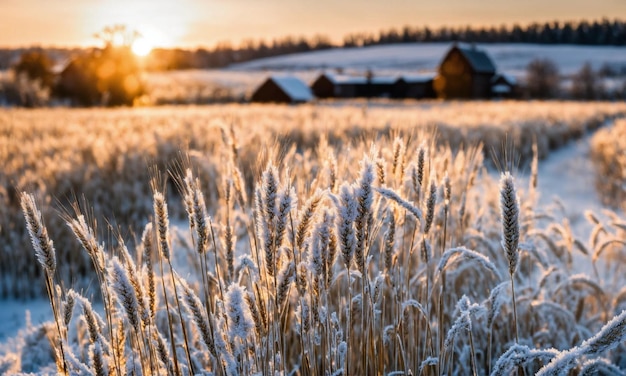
(109, 76)
(542, 78)
(36, 66)
(586, 84)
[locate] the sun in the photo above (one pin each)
(141, 47)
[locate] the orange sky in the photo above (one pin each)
(193, 23)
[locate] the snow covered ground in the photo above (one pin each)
(13, 315)
(567, 177)
(425, 57)
(412, 58)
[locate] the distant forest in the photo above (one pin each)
(600, 33)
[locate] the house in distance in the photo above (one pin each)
(282, 89)
(329, 85)
(467, 72)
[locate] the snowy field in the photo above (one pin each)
(509, 58)
(512, 59)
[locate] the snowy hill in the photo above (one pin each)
(420, 57)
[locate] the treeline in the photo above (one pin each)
(599, 32)
(225, 53)
(603, 32)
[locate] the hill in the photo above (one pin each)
(425, 57)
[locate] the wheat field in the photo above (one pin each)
(311, 240)
(609, 155)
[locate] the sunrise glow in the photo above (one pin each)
(141, 47)
(194, 23)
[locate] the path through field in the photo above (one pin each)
(567, 177)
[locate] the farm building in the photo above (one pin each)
(415, 86)
(282, 89)
(465, 72)
(328, 85)
(504, 86)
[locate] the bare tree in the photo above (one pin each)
(586, 84)
(542, 79)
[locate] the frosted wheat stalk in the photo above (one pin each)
(465, 253)
(381, 166)
(599, 367)
(162, 352)
(347, 212)
(389, 240)
(85, 234)
(44, 249)
(390, 194)
(518, 355)
(430, 206)
(100, 365)
(301, 278)
(422, 155)
(194, 306)
(319, 255)
(270, 192)
(509, 210)
(162, 224)
(133, 277)
(68, 308)
(610, 336)
(286, 276)
(200, 218)
(256, 315)
(266, 211)
(146, 241)
(306, 216)
(229, 246)
(332, 172)
(123, 287)
(365, 198)
(286, 200)
(398, 157)
(240, 321)
(328, 220)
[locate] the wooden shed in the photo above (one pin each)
(328, 85)
(414, 86)
(504, 86)
(282, 89)
(465, 72)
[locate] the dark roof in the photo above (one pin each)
(478, 59)
(507, 78)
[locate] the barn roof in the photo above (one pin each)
(511, 80)
(293, 87)
(478, 59)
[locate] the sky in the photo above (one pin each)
(203, 23)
